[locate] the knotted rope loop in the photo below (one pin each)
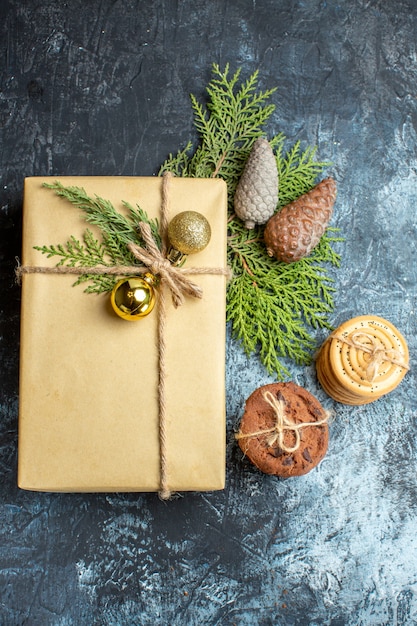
(376, 349)
(159, 265)
(282, 424)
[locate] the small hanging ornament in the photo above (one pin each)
(256, 196)
(296, 229)
(188, 232)
(134, 297)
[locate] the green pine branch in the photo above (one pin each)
(74, 253)
(227, 128)
(272, 307)
(117, 231)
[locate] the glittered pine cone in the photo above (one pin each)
(256, 196)
(296, 229)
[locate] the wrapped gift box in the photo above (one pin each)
(88, 415)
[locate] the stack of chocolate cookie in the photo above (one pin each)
(364, 359)
(284, 430)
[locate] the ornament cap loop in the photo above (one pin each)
(175, 257)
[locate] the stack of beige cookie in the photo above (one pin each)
(364, 359)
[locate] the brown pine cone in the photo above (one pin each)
(256, 196)
(296, 229)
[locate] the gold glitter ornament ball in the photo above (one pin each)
(189, 232)
(134, 297)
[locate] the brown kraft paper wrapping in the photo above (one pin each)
(88, 413)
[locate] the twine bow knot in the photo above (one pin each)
(174, 277)
(377, 351)
(276, 434)
(282, 424)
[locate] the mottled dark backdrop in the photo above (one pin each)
(102, 87)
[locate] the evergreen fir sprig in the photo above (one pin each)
(227, 128)
(297, 171)
(117, 230)
(271, 305)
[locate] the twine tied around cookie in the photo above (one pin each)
(174, 278)
(276, 434)
(377, 351)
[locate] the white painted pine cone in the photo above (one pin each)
(256, 196)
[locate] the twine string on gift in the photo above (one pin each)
(119, 270)
(155, 261)
(164, 490)
(283, 423)
(376, 349)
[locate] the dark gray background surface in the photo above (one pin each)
(102, 87)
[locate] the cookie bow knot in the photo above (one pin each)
(282, 423)
(275, 435)
(377, 351)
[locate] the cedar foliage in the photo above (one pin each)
(271, 306)
(117, 231)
